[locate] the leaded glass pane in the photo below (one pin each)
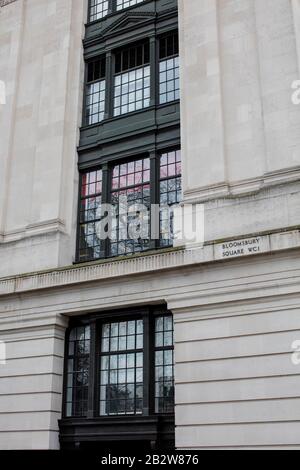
(170, 193)
(98, 9)
(121, 4)
(132, 91)
(78, 372)
(164, 360)
(89, 217)
(121, 375)
(130, 191)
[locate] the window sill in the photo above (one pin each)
(112, 259)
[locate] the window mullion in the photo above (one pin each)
(153, 69)
(92, 373)
(111, 6)
(109, 85)
(147, 367)
(154, 200)
(105, 200)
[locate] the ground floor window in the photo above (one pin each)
(119, 371)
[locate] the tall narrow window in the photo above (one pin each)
(130, 187)
(98, 9)
(78, 371)
(90, 204)
(164, 373)
(121, 368)
(95, 91)
(132, 79)
(170, 193)
(169, 87)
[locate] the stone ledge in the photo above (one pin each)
(155, 261)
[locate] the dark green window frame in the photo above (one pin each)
(130, 58)
(84, 354)
(162, 175)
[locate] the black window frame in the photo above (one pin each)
(96, 321)
(135, 421)
(155, 182)
(152, 61)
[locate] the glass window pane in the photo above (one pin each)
(164, 374)
(131, 195)
(134, 93)
(95, 102)
(121, 372)
(121, 4)
(98, 9)
(170, 194)
(78, 371)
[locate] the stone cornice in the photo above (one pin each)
(252, 186)
(147, 263)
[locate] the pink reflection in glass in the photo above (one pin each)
(99, 187)
(139, 165)
(115, 183)
(131, 167)
(164, 172)
(172, 170)
(130, 180)
(122, 181)
(92, 189)
(146, 175)
(171, 157)
(138, 178)
(92, 177)
(123, 169)
(116, 171)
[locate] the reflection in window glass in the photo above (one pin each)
(132, 91)
(78, 371)
(169, 86)
(95, 91)
(164, 368)
(131, 184)
(121, 376)
(170, 193)
(132, 79)
(90, 206)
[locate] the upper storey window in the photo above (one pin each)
(127, 3)
(169, 68)
(98, 9)
(132, 75)
(129, 190)
(95, 91)
(132, 79)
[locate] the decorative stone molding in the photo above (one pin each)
(225, 250)
(34, 230)
(242, 188)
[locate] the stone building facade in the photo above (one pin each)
(235, 301)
